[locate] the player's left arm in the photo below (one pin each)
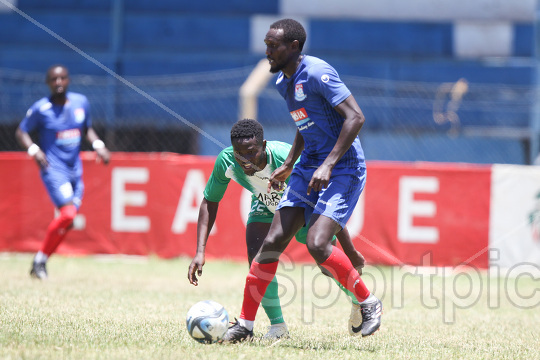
(353, 122)
(98, 145)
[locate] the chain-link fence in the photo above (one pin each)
(192, 113)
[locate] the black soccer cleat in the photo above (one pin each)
(237, 333)
(39, 271)
(371, 317)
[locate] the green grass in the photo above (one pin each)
(134, 308)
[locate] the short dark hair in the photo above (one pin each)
(247, 129)
(292, 30)
(54, 67)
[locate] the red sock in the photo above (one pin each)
(260, 275)
(343, 271)
(58, 228)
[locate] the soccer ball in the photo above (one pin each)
(207, 321)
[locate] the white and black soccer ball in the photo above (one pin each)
(207, 321)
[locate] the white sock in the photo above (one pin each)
(370, 299)
(248, 324)
(40, 258)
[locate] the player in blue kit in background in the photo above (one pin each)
(60, 120)
(325, 184)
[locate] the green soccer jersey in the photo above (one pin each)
(226, 168)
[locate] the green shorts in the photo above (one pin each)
(260, 213)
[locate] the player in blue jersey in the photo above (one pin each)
(324, 186)
(250, 162)
(60, 120)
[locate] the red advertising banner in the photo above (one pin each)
(147, 203)
(426, 214)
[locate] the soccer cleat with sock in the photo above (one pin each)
(371, 317)
(237, 333)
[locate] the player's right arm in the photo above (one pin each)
(31, 122)
(207, 216)
(32, 149)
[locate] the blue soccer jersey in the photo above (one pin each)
(60, 128)
(311, 95)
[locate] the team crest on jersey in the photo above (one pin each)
(299, 93)
(79, 115)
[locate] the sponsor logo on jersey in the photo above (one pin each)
(68, 137)
(80, 115)
(299, 115)
(325, 78)
(299, 92)
(301, 119)
(270, 200)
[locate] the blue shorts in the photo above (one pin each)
(63, 187)
(337, 201)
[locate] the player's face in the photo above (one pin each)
(250, 154)
(58, 80)
(279, 53)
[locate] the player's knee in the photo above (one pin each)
(317, 247)
(271, 248)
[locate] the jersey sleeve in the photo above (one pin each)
(280, 151)
(218, 181)
(31, 120)
(325, 80)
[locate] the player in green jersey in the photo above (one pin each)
(250, 161)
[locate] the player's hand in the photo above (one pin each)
(41, 159)
(278, 178)
(104, 155)
(320, 178)
(276, 186)
(195, 267)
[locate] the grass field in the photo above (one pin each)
(134, 308)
